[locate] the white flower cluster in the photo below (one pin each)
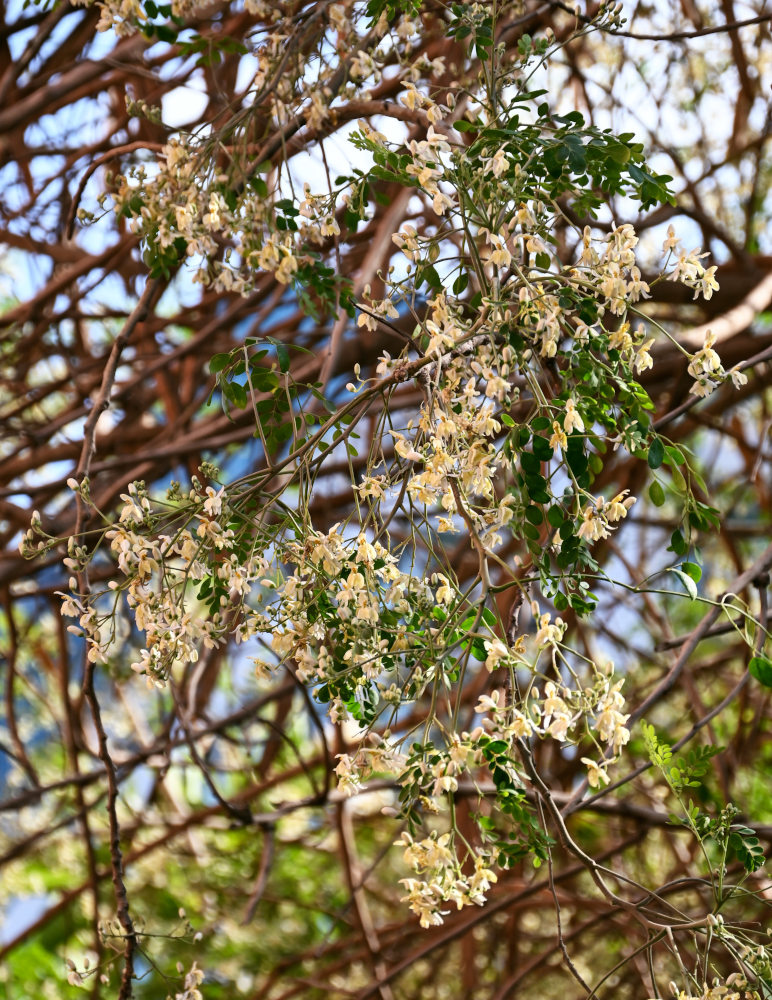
(598, 517)
(210, 196)
(688, 269)
(598, 709)
(426, 166)
(180, 201)
(337, 606)
(706, 368)
(606, 269)
(193, 979)
(125, 17)
(357, 586)
(735, 987)
(158, 570)
(339, 612)
(452, 441)
(614, 272)
(381, 757)
(442, 878)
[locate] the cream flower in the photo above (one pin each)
(739, 378)
(559, 438)
(496, 651)
(643, 359)
(549, 633)
(596, 773)
(572, 420)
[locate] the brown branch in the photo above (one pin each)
(116, 857)
(129, 147)
(675, 36)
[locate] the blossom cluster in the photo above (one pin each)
(706, 369)
(159, 570)
(450, 449)
(734, 987)
(598, 709)
(688, 269)
(193, 979)
(598, 517)
(442, 878)
(206, 201)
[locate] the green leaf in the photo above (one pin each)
(555, 517)
(678, 543)
(531, 531)
(430, 276)
(760, 667)
(534, 514)
(282, 355)
(689, 584)
(529, 463)
(382, 174)
(656, 494)
(460, 283)
(165, 34)
(566, 530)
(656, 453)
(488, 617)
(236, 393)
(674, 455)
(542, 448)
(746, 846)
(218, 362)
(693, 570)
(678, 479)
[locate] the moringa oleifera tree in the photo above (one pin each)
(442, 546)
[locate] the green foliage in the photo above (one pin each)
(760, 667)
(392, 8)
(211, 50)
(247, 377)
(745, 845)
(684, 773)
(156, 24)
(523, 836)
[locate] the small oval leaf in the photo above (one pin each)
(760, 667)
(656, 454)
(656, 494)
